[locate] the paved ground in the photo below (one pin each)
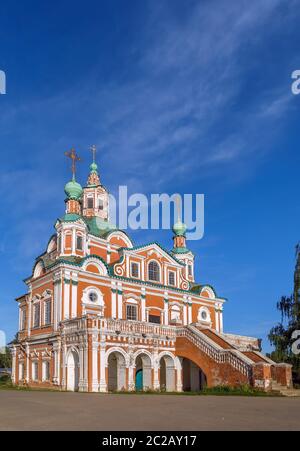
(81, 411)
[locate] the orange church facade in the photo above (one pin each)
(101, 314)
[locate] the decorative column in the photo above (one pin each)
(66, 299)
(166, 309)
(95, 384)
(81, 367)
(217, 316)
(131, 384)
(120, 300)
(108, 254)
(73, 241)
(14, 364)
(221, 318)
(103, 384)
(64, 368)
(85, 366)
(156, 383)
(190, 320)
(113, 300)
(184, 311)
(57, 300)
(179, 375)
(74, 294)
(143, 304)
(29, 312)
(27, 363)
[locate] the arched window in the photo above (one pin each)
(175, 313)
(153, 272)
(79, 242)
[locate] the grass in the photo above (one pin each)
(224, 390)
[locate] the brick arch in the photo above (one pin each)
(216, 373)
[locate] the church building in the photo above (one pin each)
(101, 314)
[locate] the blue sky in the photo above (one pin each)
(180, 96)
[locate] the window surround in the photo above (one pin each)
(35, 370)
(46, 371)
(79, 239)
(137, 265)
(131, 312)
(47, 303)
(170, 272)
(150, 263)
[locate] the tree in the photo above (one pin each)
(280, 336)
(5, 359)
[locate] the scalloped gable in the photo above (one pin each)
(156, 247)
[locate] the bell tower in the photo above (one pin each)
(95, 196)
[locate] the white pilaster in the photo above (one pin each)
(113, 300)
(73, 241)
(120, 300)
(184, 312)
(131, 384)
(13, 370)
(166, 310)
(74, 294)
(81, 367)
(27, 363)
(66, 300)
(143, 304)
(189, 311)
(95, 384)
(103, 384)
(179, 375)
(221, 320)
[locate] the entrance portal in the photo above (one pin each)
(72, 371)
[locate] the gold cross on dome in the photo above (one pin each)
(93, 150)
(74, 157)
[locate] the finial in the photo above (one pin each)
(94, 150)
(74, 157)
(178, 207)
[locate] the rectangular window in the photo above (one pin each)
(134, 270)
(79, 243)
(23, 319)
(47, 312)
(101, 206)
(154, 319)
(171, 278)
(190, 271)
(46, 371)
(21, 371)
(90, 202)
(131, 312)
(36, 315)
(35, 371)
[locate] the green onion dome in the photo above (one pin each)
(94, 167)
(179, 228)
(73, 190)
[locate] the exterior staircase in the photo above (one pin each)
(245, 359)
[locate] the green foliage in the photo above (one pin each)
(280, 336)
(5, 359)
